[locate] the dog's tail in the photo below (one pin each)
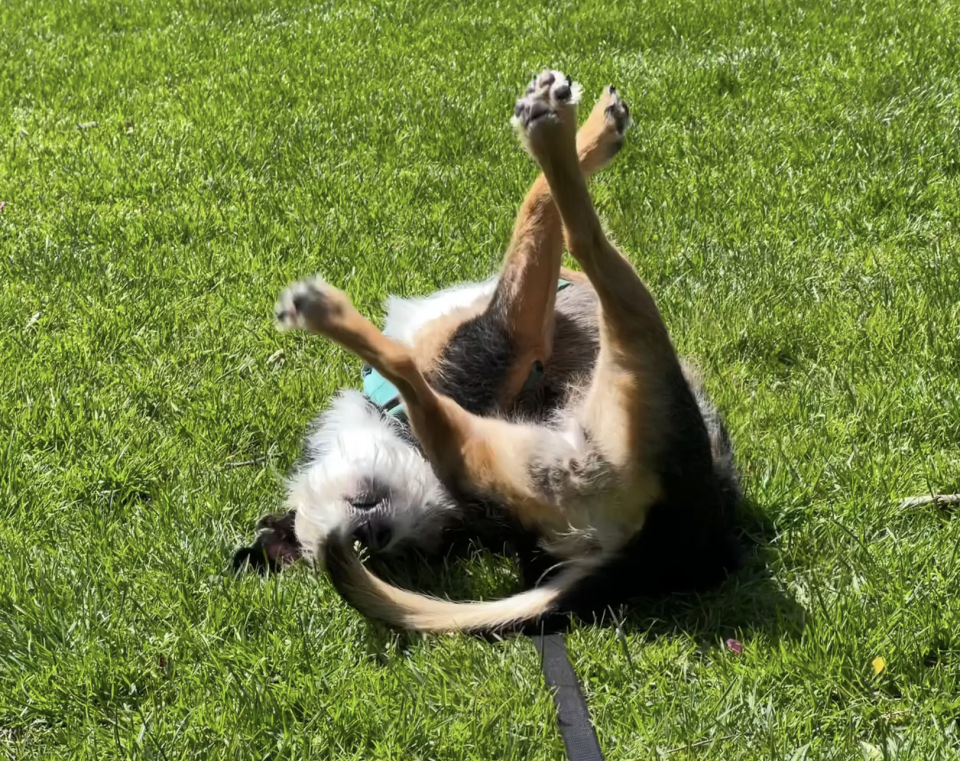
(403, 609)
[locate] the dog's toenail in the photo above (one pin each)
(547, 79)
(562, 92)
(613, 90)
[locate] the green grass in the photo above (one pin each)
(791, 192)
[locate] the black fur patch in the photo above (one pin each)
(473, 366)
(276, 545)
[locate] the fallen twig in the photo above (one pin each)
(895, 714)
(930, 499)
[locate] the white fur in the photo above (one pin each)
(406, 317)
(355, 443)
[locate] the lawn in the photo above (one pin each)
(791, 193)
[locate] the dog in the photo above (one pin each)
(560, 417)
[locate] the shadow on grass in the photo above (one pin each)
(748, 603)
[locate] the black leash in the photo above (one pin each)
(573, 716)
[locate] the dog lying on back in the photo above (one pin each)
(559, 418)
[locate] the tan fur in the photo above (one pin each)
(527, 286)
(584, 487)
(573, 276)
(409, 610)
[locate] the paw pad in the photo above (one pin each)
(617, 111)
(303, 306)
(550, 93)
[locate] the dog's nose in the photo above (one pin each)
(373, 533)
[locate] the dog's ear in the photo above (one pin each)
(275, 547)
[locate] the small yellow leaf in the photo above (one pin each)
(879, 665)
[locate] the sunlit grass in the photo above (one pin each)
(790, 192)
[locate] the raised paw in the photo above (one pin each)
(311, 305)
(547, 108)
(616, 111)
(601, 136)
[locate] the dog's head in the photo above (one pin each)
(362, 468)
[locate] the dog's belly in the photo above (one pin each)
(597, 506)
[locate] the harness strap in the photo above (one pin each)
(573, 716)
(382, 392)
(385, 395)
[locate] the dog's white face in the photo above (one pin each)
(363, 469)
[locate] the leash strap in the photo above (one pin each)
(573, 716)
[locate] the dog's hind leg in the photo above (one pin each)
(527, 287)
(544, 120)
(625, 408)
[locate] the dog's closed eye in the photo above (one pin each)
(369, 495)
(365, 501)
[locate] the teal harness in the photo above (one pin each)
(385, 395)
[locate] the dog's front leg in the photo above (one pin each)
(483, 455)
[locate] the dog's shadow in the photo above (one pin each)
(751, 603)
